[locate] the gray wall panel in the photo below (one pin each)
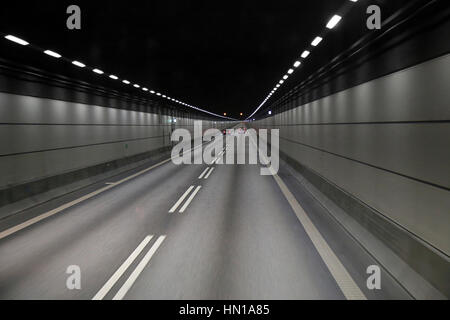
(403, 148)
(33, 166)
(421, 209)
(409, 144)
(415, 94)
(36, 137)
(84, 135)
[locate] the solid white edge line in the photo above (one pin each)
(177, 204)
(139, 268)
(203, 173)
(50, 213)
(186, 204)
(116, 276)
(343, 279)
(209, 173)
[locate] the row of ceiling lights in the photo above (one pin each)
(333, 22)
(114, 77)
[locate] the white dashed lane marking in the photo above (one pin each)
(125, 265)
(140, 267)
(186, 204)
(209, 173)
(177, 204)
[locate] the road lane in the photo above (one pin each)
(97, 235)
(238, 238)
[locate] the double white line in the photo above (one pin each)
(205, 174)
(137, 271)
(189, 200)
(218, 157)
(65, 206)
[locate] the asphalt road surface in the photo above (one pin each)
(185, 232)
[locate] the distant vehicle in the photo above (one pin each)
(238, 130)
(241, 130)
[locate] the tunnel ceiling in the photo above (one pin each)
(224, 56)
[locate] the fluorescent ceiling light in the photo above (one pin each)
(277, 86)
(285, 77)
(334, 21)
(281, 81)
(16, 40)
(297, 64)
(152, 92)
(316, 41)
(98, 71)
(305, 54)
(114, 77)
(78, 64)
(158, 94)
(290, 71)
(52, 53)
(136, 86)
(126, 81)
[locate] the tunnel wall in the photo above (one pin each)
(41, 139)
(385, 144)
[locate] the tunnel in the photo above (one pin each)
(210, 150)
